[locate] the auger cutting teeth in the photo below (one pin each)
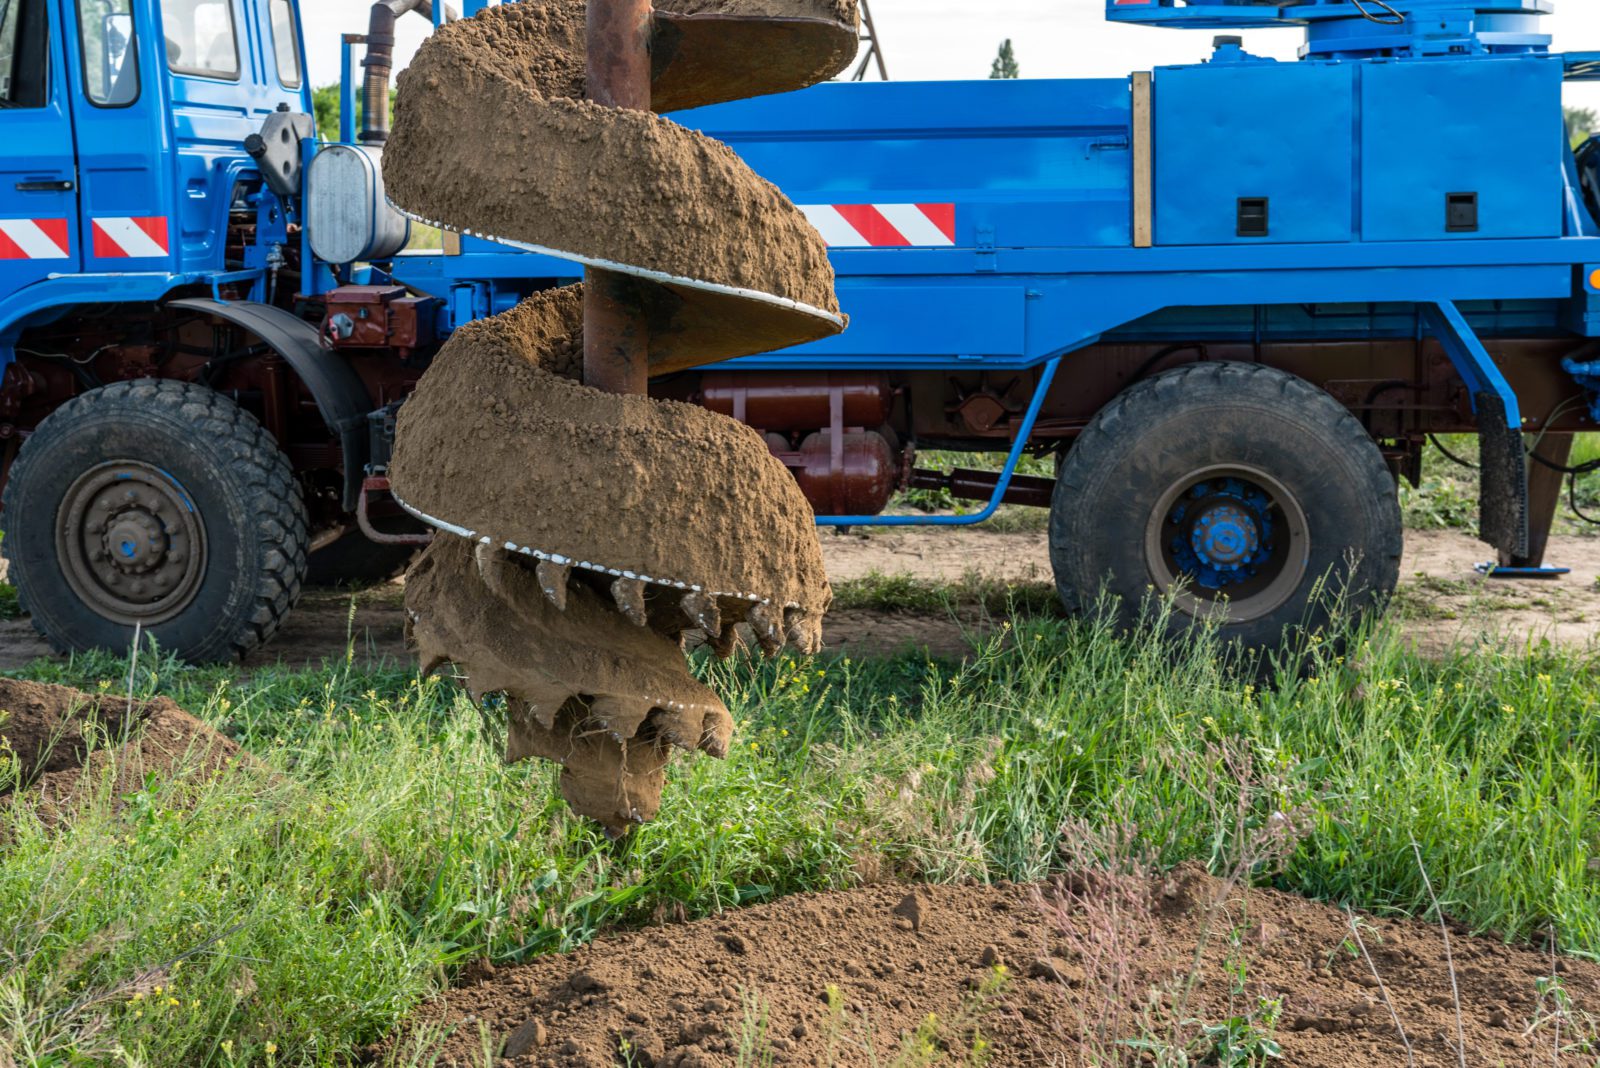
(702, 610)
(763, 619)
(726, 642)
(629, 595)
(553, 580)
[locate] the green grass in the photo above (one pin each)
(1009, 519)
(908, 593)
(308, 902)
(1448, 496)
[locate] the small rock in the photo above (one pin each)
(585, 981)
(528, 1035)
(1264, 933)
(990, 957)
(571, 1048)
(799, 1029)
(910, 908)
(1056, 971)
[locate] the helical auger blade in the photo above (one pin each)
(586, 534)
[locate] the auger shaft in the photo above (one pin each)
(616, 338)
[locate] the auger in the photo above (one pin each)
(593, 528)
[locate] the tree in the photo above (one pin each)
(325, 104)
(1581, 122)
(1005, 64)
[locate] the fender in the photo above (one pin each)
(341, 396)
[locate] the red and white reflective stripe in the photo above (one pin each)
(136, 238)
(34, 239)
(884, 225)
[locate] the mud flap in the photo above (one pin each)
(1503, 487)
(1503, 482)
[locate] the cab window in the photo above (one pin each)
(285, 44)
(24, 54)
(110, 52)
(201, 39)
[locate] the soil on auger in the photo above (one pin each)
(504, 91)
(593, 531)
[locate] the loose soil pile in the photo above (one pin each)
(678, 996)
(63, 738)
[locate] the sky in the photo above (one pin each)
(946, 39)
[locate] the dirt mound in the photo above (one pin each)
(682, 995)
(62, 737)
(492, 135)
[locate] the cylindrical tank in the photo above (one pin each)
(778, 400)
(859, 480)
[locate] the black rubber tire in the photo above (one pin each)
(355, 560)
(242, 490)
(1212, 415)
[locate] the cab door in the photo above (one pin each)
(124, 140)
(39, 232)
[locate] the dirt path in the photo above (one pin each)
(1441, 601)
(843, 979)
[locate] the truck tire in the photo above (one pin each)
(1251, 491)
(161, 504)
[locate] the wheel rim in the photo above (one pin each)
(1230, 538)
(131, 543)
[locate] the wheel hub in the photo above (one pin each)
(1231, 533)
(130, 542)
(1226, 537)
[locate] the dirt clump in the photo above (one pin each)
(61, 739)
(842, 979)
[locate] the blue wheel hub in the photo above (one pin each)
(1221, 532)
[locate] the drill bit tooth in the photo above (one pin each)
(553, 580)
(702, 609)
(629, 595)
(763, 619)
(803, 630)
(716, 732)
(726, 642)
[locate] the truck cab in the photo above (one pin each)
(125, 123)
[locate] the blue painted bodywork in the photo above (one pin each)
(1357, 150)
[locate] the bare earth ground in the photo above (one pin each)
(1442, 601)
(685, 995)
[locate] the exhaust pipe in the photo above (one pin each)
(379, 63)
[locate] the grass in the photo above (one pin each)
(905, 592)
(310, 901)
(1448, 496)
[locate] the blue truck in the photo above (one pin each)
(1231, 299)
